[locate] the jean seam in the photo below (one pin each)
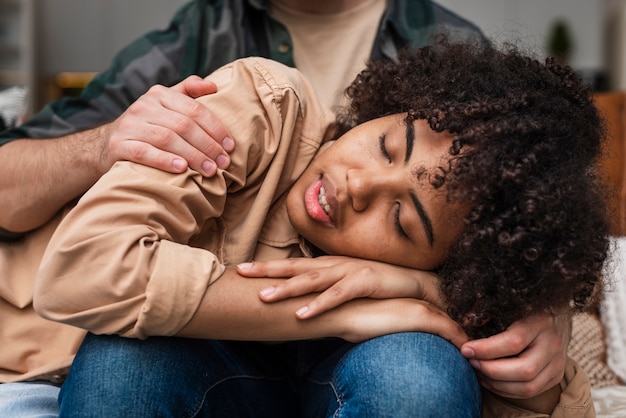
(340, 400)
(219, 382)
(334, 385)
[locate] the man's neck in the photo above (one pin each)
(320, 7)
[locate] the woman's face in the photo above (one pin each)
(361, 196)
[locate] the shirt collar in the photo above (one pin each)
(410, 20)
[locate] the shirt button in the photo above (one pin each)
(284, 47)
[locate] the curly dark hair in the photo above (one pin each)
(526, 142)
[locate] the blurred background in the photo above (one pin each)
(53, 47)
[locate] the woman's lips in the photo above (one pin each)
(317, 204)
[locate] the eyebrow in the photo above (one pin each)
(410, 139)
(426, 222)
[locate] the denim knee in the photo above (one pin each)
(115, 376)
(406, 375)
(175, 377)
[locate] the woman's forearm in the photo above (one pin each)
(231, 309)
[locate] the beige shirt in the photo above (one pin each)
(30, 347)
(275, 142)
(331, 49)
(136, 254)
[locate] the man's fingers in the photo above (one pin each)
(198, 126)
(505, 344)
(195, 86)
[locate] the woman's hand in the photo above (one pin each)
(363, 319)
(340, 279)
(168, 129)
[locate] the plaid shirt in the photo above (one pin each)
(203, 36)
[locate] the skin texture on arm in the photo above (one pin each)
(38, 177)
(165, 128)
(231, 309)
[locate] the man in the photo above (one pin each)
(126, 113)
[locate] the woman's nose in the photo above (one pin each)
(364, 186)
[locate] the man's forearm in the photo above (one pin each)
(39, 177)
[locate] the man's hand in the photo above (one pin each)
(166, 128)
(169, 130)
(526, 359)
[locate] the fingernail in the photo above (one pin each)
(267, 291)
(223, 161)
(302, 311)
(228, 144)
(179, 164)
(244, 266)
(468, 352)
(475, 364)
(209, 167)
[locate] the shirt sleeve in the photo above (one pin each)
(131, 258)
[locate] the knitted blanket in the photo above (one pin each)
(613, 308)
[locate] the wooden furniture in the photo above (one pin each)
(612, 105)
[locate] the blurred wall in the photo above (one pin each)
(83, 35)
(529, 22)
(615, 45)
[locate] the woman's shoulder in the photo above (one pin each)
(259, 73)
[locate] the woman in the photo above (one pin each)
(470, 174)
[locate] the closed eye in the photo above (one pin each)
(398, 225)
(383, 148)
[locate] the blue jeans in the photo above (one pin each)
(29, 399)
(398, 375)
